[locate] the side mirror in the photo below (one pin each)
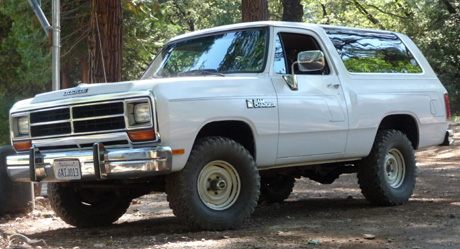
(310, 61)
(307, 61)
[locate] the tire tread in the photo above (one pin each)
(178, 189)
(67, 208)
(370, 176)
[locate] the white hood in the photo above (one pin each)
(173, 87)
(82, 92)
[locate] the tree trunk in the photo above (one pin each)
(65, 76)
(325, 15)
(255, 10)
(449, 7)
(105, 41)
(293, 11)
(84, 69)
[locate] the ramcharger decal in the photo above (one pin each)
(259, 103)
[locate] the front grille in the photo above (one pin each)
(78, 119)
(97, 110)
(51, 129)
(102, 124)
(51, 115)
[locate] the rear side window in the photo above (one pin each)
(371, 52)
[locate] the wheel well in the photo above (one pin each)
(236, 130)
(403, 123)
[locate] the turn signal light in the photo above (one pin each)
(178, 152)
(22, 145)
(141, 135)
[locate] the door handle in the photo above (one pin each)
(335, 86)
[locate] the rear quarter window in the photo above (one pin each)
(372, 52)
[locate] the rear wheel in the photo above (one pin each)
(86, 207)
(387, 175)
(218, 188)
(275, 189)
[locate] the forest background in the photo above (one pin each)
(25, 61)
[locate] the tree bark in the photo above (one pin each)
(65, 76)
(255, 10)
(292, 11)
(105, 41)
(84, 69)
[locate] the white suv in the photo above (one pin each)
(229, 116)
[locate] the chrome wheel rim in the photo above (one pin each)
(395, 168)
(218, 185)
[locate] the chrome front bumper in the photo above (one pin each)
(96, 164)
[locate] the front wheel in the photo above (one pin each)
(218, 188)
(15, 197)
(387, 175)
(86, 207)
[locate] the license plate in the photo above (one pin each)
(67, 169)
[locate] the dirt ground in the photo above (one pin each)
(314, 216)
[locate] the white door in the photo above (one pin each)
(312, 119)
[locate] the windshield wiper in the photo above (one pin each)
(198, 72)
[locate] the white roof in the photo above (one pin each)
(315, 27)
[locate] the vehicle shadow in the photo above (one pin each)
(305, 214)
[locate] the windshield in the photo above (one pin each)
(232, 52)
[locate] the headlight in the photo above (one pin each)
(23, 125)
(142, 113)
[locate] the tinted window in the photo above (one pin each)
(368, 52)
(237, 51)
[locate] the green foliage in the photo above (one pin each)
(275, 8)
(24, 59)
(440, 42)
(194, 15)
(145, 32)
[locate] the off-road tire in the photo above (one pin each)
(218, 188)
(74, 206)
(275, 189)
(15, 197)
(387, 176)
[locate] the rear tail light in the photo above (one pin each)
(446, 101)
